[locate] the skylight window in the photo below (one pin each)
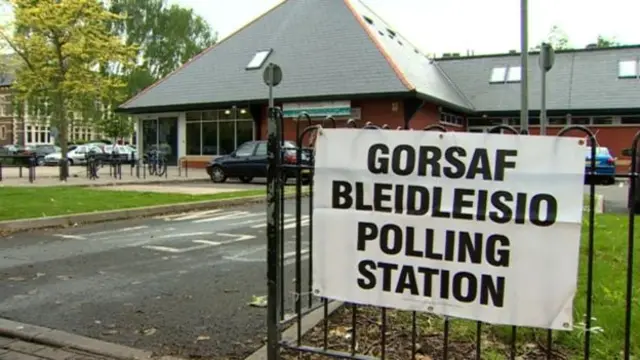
(514, 74)
(368, 20)
(258, 59)
(628, 69)
(498, 75)
(392, 33)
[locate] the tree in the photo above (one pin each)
(63, 45)
(167, 37)
(606, 42)
(557, 38)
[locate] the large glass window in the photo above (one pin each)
(193, 138)
(227, 137)
(218, 132)
(210, 138)
(244, 131)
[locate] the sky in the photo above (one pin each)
(484, 26)
(439, 26)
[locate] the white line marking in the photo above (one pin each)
(303, 218)
(303, 223)
(207, 242)
(117, 230)
(196, 215)
(238, 238)
(171, 236)
(246, 222)
(74, 237)
(235, 215)
(291, 254)
(203, 245)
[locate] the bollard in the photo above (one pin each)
(179, 167)
(186, 168)
(137, 164)
(31, 171)
(166, 169)
(144, 171)
(119, 170)
(20, 171)
(0, 170)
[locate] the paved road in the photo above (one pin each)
(177, 285)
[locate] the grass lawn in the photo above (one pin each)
(35, 202)
(609, 291)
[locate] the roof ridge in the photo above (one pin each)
(399, 73)
(202, 53)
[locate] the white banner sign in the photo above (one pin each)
(477, 226)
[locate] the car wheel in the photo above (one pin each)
(70, 161)
(218, 175)
(40, 161)
(246, 179)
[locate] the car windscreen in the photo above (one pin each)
(600, 151)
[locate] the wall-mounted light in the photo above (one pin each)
(227, 112)
(243, 111)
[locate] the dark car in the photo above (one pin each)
(38, 151)
(250, 161)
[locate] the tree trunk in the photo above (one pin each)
(63, 134)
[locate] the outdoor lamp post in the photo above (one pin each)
(546, 61)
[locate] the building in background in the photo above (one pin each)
(29, 131)
(358, 66)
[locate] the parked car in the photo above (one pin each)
(250, 161)
(75, 156)
(122, 150)
(604, 172)
(38, 151)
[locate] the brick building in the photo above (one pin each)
(340, 58)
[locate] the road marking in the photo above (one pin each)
(235, 215)
(73, 237)
(293, 253)
(237, 238)
(196, 215)
(117, 230)
(203, 245)
(172, 236)
(289, 223)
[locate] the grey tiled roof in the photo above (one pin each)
(324, 47)
(581, 79)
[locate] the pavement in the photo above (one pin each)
(176, 285)
(48, 176)
(13, 349)
(615, 197)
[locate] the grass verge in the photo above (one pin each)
(609, 284)
(25, 203)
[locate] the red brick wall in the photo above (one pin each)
(427, 115)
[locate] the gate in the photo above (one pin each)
(290, 295)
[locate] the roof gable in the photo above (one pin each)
(336, 57)
(420, 73)
(579, 80)
(324, 48)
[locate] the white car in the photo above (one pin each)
(121, 150)
(75, 156)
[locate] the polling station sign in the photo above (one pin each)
(477, 226)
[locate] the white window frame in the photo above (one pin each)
(258, 59)
(628, 69)
(514, 74)
(498, 75)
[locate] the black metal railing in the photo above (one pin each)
(289, 301)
